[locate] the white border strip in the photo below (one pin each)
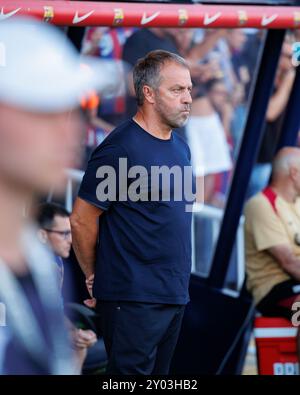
(275, 332)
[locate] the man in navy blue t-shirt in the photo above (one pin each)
(131, 222)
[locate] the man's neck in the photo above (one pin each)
(153, 126)
(285, 191)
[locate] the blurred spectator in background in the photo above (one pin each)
(55, 230)
(96, 128)
(251, 53)
(107, 43)
(219, 98)
(93, 39)
(272, 223)
(207, 140)
(105, 111)
(35, 119)
(219, 55)
(236, 41)
(274, 119)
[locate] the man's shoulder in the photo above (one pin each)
(257, 198)
(118, 143)
(120, 135)
(256, 203)
(180, 141)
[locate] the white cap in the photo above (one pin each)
(40, 68)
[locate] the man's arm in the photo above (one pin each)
(279, 99)
(287, 259)
(84, 224)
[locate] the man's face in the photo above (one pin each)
(36, 147)
(173, 96)
(59, 236)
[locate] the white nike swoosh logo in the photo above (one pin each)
(8, 15)
(266, 20)
(78, 19)
(147, 19)
(210, 19)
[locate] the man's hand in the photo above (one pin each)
(287, 259)
(84, 338)
(89, 284)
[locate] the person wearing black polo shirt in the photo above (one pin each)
(135, 250)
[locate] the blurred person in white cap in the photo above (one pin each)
(40, 88)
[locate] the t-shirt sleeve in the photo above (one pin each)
(265, 225)
(100, 183)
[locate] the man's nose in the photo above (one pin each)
(187, 97)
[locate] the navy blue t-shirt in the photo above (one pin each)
(144, 246)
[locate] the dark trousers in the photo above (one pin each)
(140, 338)
(279, 301)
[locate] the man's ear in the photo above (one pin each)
(148, 94)
(293, 172)
(42, 235)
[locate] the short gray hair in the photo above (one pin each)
(147, 69)
(286, 158)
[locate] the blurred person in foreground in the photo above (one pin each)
(272, 229)
(55, 231)
(41, 83)
(136, 249)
